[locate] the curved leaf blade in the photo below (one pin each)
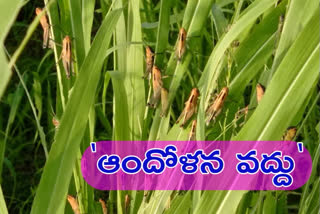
(52, 190)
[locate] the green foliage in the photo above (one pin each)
(229, 43)
(9, 11)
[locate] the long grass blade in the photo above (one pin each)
(52, 191)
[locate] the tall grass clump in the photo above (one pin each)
(48, 119)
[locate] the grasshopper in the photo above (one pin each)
(103, 206)
(66, 56)
(215, 109)
(74, 204)
(260, 92)
(156, 85)
(190, 107)
(192, 134)
(46, 29)
(55, 122)
(289, 134)
(149, 62)
(181, 49)
(127, 202)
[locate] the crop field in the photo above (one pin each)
(81, 71)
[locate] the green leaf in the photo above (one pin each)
(77, 30)
(157, 203)
(306, 190)
(87, 22)
(220, 22)
(219, 201)
(15, 103)
(254, 51)
(193, 24)
(5, 72)
(269, 204)
(208, 80)
(134, 71)
(121, 129)
(163, 33)
(284, 94)
(299, 13)
(180, 204)
(311, 203)
(9, 11)
(52, 190)
(3, 207)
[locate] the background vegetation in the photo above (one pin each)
(106, 99)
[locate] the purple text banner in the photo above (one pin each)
(201, 165)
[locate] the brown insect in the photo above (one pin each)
(55, 122)
(46, 29)
(164, 102)
(190, 107)
(149, 62)
(260, 92)
(103, 206)
(127, 202)
(289, 134)
(157, 86)
(74, 204)
(66, 56)
(192, 134)
(181, 49)
(215, 109)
